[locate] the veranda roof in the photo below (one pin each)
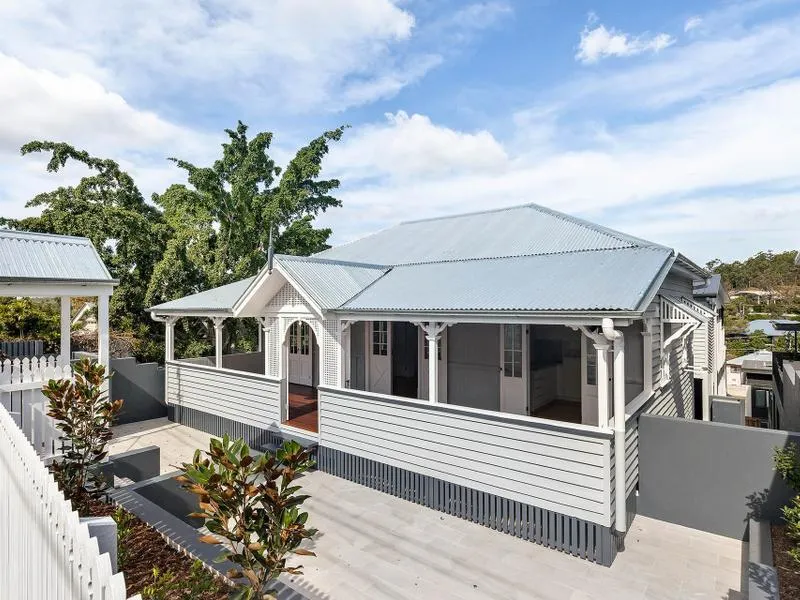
(27, 257)
(523, 258)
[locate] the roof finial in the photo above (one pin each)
(270, 251)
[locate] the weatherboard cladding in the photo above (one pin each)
(603, 280)
(26, 256)
(518, 231)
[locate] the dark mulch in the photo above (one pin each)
(788, 569)
(147, 549)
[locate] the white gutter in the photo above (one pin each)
(620, 482)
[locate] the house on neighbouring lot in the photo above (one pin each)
(490, 365)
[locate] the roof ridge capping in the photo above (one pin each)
(618, 235)
(331, 261)
(18, 233)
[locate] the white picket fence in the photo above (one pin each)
(45, 551)
(21, 382)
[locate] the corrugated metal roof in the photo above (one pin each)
(517, 231)
(329, 282)
(708, 288)
(602, 280)
(219, 299)
(27, 256)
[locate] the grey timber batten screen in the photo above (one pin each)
(568, 534)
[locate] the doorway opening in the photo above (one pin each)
(698, 399)
(405, 359)
(302, 376)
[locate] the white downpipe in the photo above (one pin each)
(615, 336)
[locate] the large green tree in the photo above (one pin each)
(106, 207)
(220, 222)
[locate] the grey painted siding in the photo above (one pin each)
(242, 397)
(675, 398)
(550, 466)
(473, 365)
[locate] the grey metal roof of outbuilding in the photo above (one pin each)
(42, 257)
(217, 300)
(576, 281)
(524, 230)
(330, 282)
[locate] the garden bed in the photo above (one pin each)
(144, 548)
(788, 570)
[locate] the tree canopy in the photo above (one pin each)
(220, 222)
(208, 232)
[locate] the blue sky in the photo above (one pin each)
(677, 122)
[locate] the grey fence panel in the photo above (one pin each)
(141, 387)
(22, 348)
(710, 476)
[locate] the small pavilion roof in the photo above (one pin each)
(27, 257)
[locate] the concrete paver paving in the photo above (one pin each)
(378, 547)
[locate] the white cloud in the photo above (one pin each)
(744, 141)
(692, 23)
(412, 147)
(599, 42)
(298, 54)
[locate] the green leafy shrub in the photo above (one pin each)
(84, 414)
(125, 522)
(252, 509)
(171, 585)
(787, 464)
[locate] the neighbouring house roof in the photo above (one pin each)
(27, 257)
(761, 359)
(710, 288)
(523, 258)
(768, 327)
(216, 300)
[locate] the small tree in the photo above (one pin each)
(84, 414)
(787, 464)
(251, 508)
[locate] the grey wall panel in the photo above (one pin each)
(251, 362)
(709, 476)
(473, 365)
(242, 397)
(544, 464)
(141, 387)
(727, 410)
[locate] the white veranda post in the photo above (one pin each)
(102, 330)
(433, 332)
(218, 321)
(66, 329)
(602, 382)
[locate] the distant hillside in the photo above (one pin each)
(766, 271)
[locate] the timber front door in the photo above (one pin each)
(514, 382)
(301, 365)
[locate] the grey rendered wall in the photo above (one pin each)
(709, 476)
(250, 362)
(727, 410)
(473, 365)
(548, 465)
(141, 387)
